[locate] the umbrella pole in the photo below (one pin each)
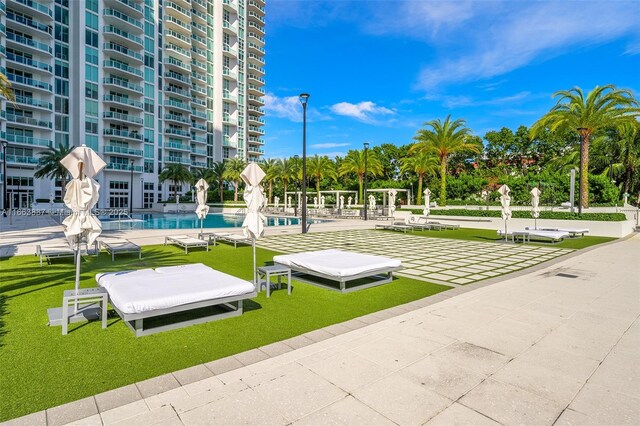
(75, 305)
(255, 280)
(505, 231)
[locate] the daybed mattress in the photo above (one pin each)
(338, 263)
(134, 292)
(556, 235)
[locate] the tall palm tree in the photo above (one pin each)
(217, 175)
(625, 148)
(603, 107)
(178, 174)
(271, 168)
(233, 169)
(423, 163)
(5, 88)
(288, 173)
(321, 167)
(49, 164)
(353, 162)
(202, 173)
(444, 139)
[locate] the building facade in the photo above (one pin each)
(145, 83)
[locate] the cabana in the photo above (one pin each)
(385, 196)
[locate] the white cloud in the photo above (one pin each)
(467, 101)
(289, 107)
(328, 145)
(363, 111)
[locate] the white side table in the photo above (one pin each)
(274, 271)
(84, 295)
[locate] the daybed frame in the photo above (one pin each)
(135, 322)
(114, 248)
(381, 276)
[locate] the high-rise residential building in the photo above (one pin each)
(145, 83)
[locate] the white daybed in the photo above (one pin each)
(573, 232)
(147, 293)
(340, 266)
(527, 234)
(186, 242)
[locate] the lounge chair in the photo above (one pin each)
(395, 226)
(423, 223)
(148, 293)
(114, 247)
(51, 251)
(536, 234)
(236, 239)
(340, 266)
(186, 242)
(212, 237)
(573, 232)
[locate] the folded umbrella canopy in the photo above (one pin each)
(535, 205)
(505, 201)
(392, 201)
(427, 202)
(253, 224)
(202, 210)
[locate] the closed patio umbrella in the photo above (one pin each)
(202, 210)
(392, 201)
(81, 195)
(535, 207)
(427, 202)
(253, 225)
(505, 201)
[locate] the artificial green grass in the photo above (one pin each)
(40, 368)
(489, 235)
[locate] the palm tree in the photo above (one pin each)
(233, 169)
(625, 148)
(604, 107)
(202, 173)
(5, 88)
(354, 163)
(217, 175)
(178, 174)
(443, 140)
(49, 164)
(288, 173)
(423, 163)
(321, 167)
(271, 168)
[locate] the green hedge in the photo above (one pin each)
(523, 214)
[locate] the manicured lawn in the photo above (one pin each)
(40, 368)
(488, 235)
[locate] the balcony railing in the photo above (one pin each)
(36, 6)
(176, 76)
(34, 102)
(21, 159)
(117, 14)
(114, 149)
(176, 145)
(28, 140)
(122, 83)
(122, 133)
(124, 167)
(199, 114)
(123, 100)
(110, 29)
(122, 117)
(29, 82)
(177, 132)
(175, 104)
(30, 62)
(180, 160)
(197, 151)
(132, 5)
(30, 23)
(123, 67)
(173, 61)
(21, 119)
(181, 92)
(178, 118)
(198, 164)
(125, 51)
(29, 42)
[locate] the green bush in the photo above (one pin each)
(601, 190)
(522, 214)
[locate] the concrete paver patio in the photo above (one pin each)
(536, 349)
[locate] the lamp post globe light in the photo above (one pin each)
(131, 191)
(364, 192)
(4, 178)
(304, 98)
(581, 131)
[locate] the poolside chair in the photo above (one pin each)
(186, 242)
(423, 223)
(212, 237)
(114, 247)
(51, 251)
(573, 232)
(536, 234)
(236, 239)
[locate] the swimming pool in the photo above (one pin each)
(188, 221)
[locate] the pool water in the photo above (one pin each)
(187, 221)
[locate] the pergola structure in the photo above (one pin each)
(385, 194)
(336, 193)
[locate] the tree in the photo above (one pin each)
(354, 163)
(604, 107)
(444, 139)
(321, 167)
(49, 164)
(621, 149)
(233, 169)
(271, 168)
(5, 88)
(217, 175)
(288, 173)
(178, 174)
(423, 163)
(202, 173)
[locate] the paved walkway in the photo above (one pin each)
(556, 346)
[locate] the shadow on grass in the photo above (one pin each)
(3, 312)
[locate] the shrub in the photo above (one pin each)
(522, 214)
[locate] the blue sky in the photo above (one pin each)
(377, 70)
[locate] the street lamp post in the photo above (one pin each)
(4, 178)
(581, 131)
(297, 200)
(364, 192)
(131, 191)
(304, 98)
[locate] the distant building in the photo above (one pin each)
(145, 83)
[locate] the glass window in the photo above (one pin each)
(91, 125)
(91, 73)
(62, 69)
(90, 90)
(62, 15)
(148, 44)
(91, 55)
(148, 135)
(148, 61)
(149, 29)
(62, 87)
(91, 38)
(148, 150)
(62, 33)
(92, 5)
(148, 120)
(91, 20)
(148, 75)
(91, 141)
(62, 123)
(61, 138)
(91, 108)
(62, 51)
(149, 90)
(62, 105)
